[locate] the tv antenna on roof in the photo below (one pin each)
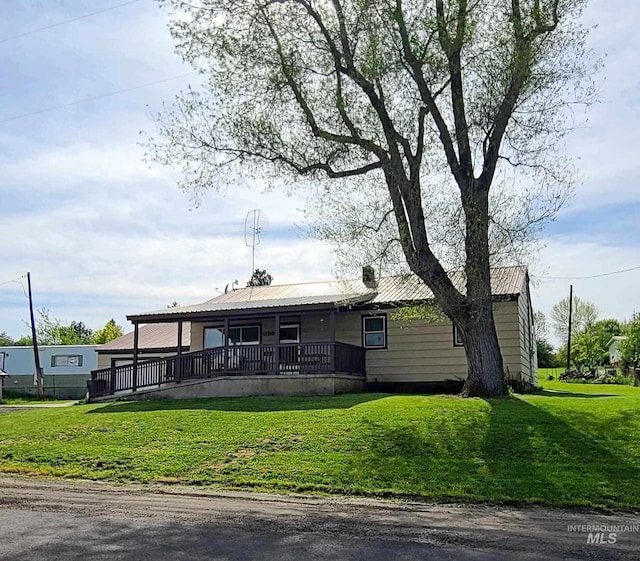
(252, 233)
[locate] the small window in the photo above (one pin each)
(244, 335)
(374, 332)
(457, 337)
(66, 360)
(249, 335)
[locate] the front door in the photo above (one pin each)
(290, 355)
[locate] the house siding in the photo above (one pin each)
(528, 356)
(424, 352)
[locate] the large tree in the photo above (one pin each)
(417, 100)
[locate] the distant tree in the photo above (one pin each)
(630, 347)
(24, 341)
(546, 356)
(77, 333)
(585, 352)
(544, 349)
(590, 346)
(561, 356)
(260, 277)
(109, 332)
(584, 314)
(5, 340)
(52, 331)
(541, 325)
(173, 304)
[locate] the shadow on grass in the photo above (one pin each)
(564, 393)
(243, 404)
(519, 454)
(535, 455)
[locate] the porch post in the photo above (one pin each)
(135, 357)
(332, 340)
(226, 345)
(178, 363)
(276, 349)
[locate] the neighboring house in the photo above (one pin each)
(320, 338)
(615, 358)
(154, 341)
(66, 370)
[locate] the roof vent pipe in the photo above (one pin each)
(369, 277)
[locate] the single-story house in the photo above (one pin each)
(156, 340)
(317, 338)
(66, 369)
(615, 358)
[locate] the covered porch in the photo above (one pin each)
(245, 343)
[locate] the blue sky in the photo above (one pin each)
(104, 234)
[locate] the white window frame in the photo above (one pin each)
(365, 332)
(457, 339)
(79, 363)
(241, 328)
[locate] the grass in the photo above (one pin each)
(7, 400)
(565, 445)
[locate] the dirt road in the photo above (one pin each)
(43, 519)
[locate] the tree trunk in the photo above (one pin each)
(484, 359)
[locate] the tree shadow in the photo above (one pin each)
(244, 404)
(538, 456)
(565, 394)
(522, 454)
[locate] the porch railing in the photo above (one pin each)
(281, 358)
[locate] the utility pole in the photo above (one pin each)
(569, 332)
(36, 354)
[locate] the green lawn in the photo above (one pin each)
(568, 445)
(33, 401)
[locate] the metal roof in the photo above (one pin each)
(152, 336)
(505, 281)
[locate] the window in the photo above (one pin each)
(66, 360)
(374, 332)
(249, 335)
(244, 335)
(457, 338)
(213, 337)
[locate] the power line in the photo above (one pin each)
(594, 276)
(66, 21)
(17, 280)
(94, 98)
